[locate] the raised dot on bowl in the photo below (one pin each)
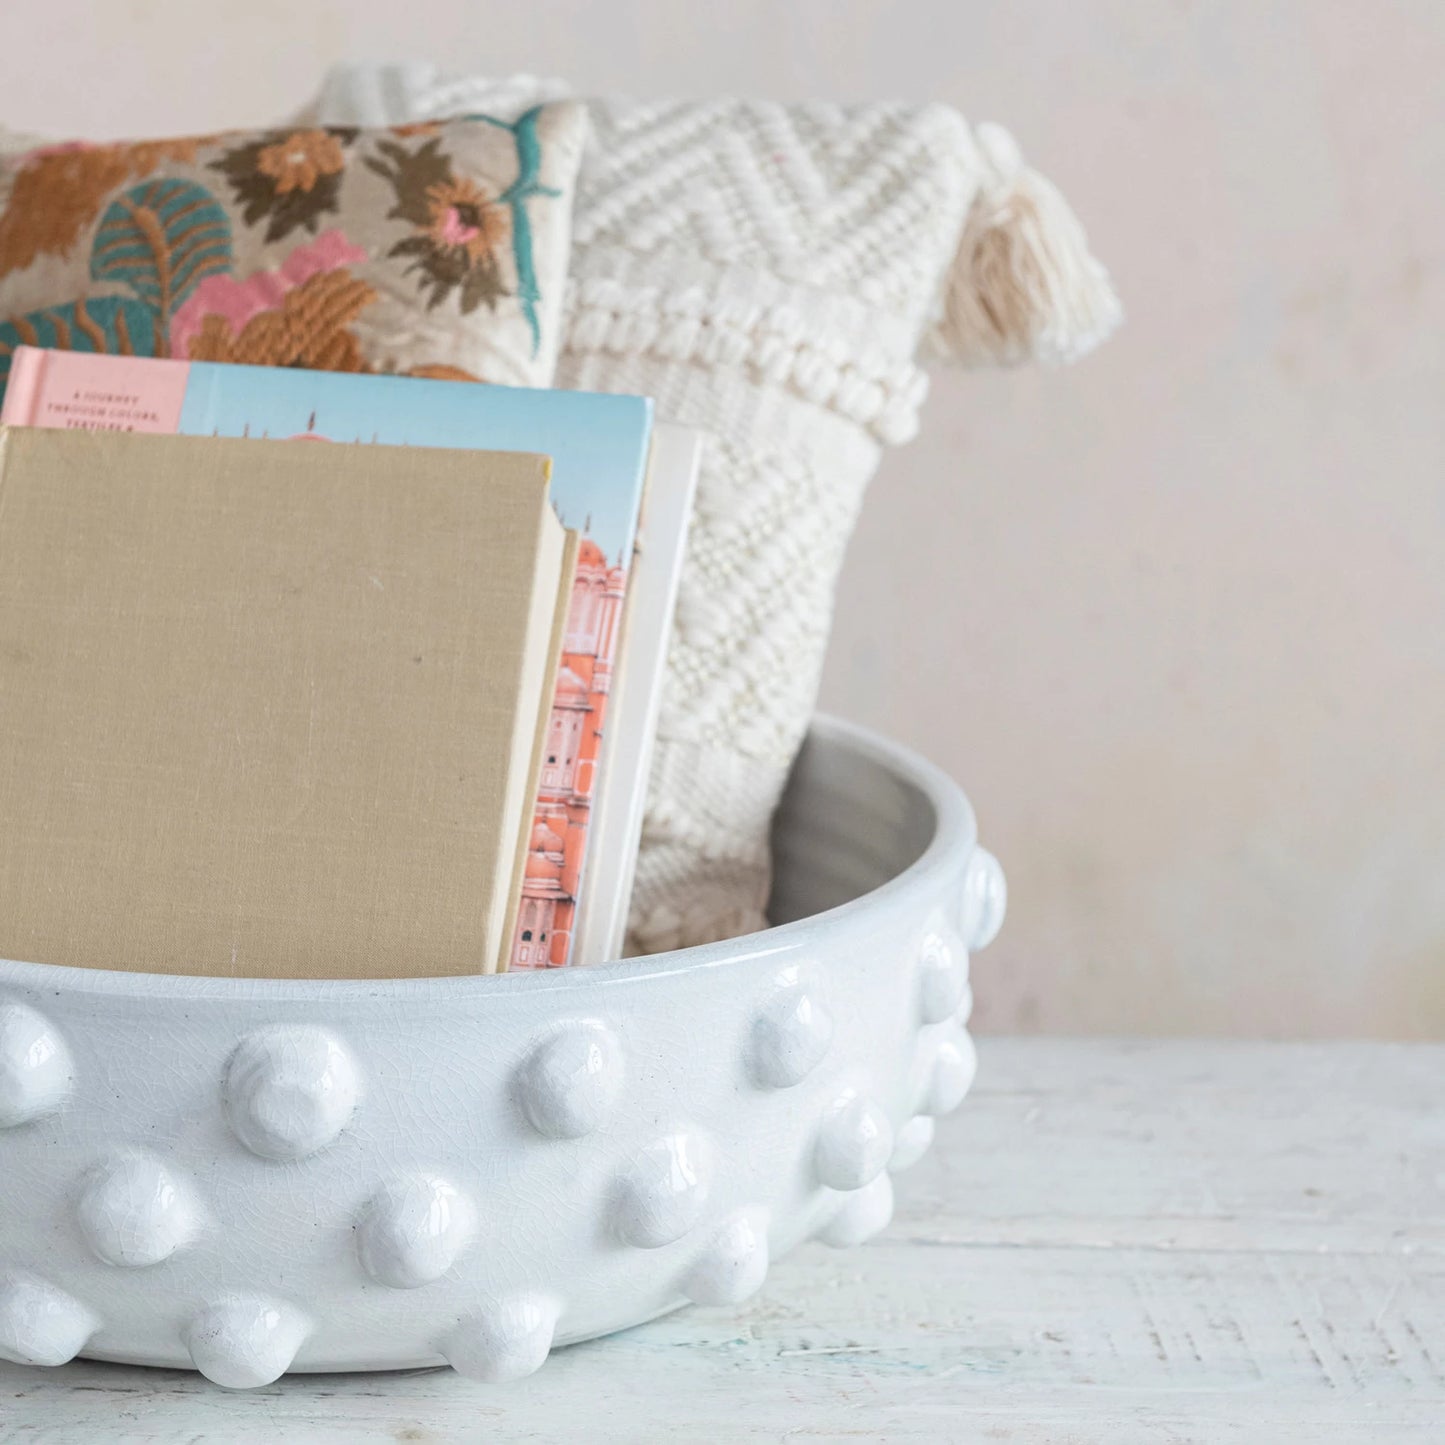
(854, 1142)
(951, 1073)
(36, 1072)
(134, 1211)
(942, 977)
(412, 1230)
(985, 899)
(570, 1081)
(41, 1324)
(791, 1033)
(507, 1341)
(663, 1191)
(290, 1090)
(244, 1341)
(734, 1264)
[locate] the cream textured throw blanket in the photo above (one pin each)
(768, 274)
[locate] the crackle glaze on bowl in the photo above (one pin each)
(248, 1177)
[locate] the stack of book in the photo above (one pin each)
(364, 710)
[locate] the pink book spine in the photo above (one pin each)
(81, 391)
(22, 391)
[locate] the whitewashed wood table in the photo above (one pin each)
(1110, 1242)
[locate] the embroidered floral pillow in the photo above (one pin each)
(436, 249)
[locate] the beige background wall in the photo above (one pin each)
(1177, 617)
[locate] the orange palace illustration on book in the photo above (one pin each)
(569, 765)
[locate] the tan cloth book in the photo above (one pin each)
(268, 709)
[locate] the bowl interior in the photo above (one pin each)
(847, 824)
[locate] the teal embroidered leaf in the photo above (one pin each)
(160, 240)
(116, 325)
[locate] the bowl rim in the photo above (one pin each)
(954, 835)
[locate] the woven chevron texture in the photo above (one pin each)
(767, 273)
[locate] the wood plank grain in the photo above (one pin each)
(1113, 1243)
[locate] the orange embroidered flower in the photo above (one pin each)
(58, 191)
(463, 216)
(457, 246)
(299, 161)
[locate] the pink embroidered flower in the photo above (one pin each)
(452, 231)
(235, 302)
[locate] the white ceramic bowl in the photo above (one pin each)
(251, 1177)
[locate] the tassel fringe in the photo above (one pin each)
(1024, 285)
